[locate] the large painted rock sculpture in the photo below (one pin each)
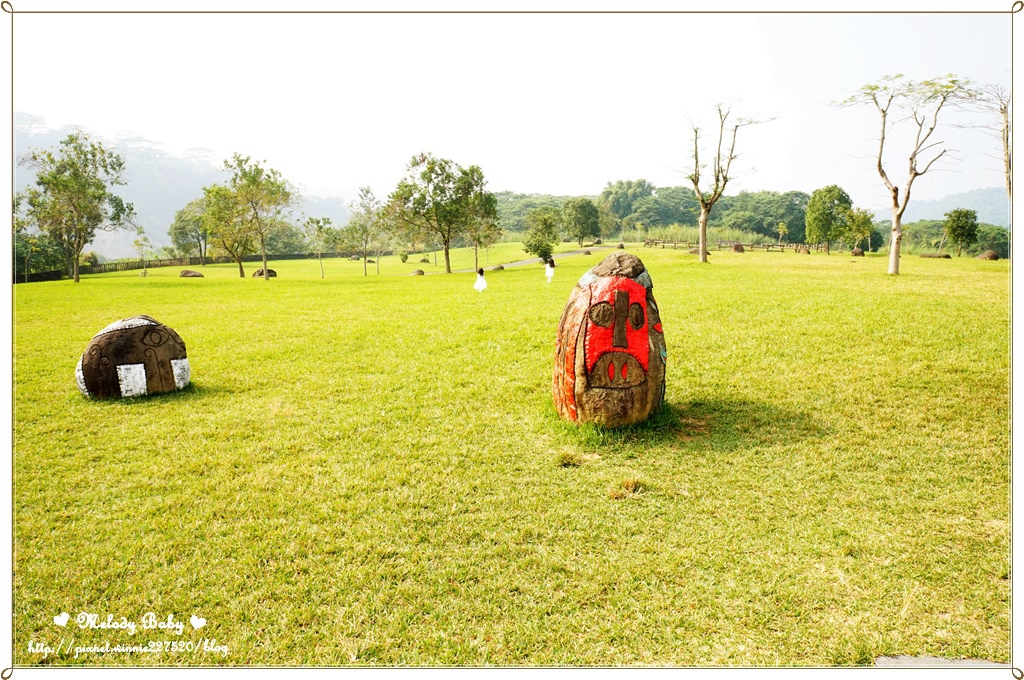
(610, 350)
(132, 358)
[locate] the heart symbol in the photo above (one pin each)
(61, 620)
(197, 622)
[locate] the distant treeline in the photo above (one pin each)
(635, 210)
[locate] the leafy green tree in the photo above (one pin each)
(782, 230)
(828, 215)
(284, 238)
(542, 235)
(607, 223)
(72, 198)
(670, 205)
(580, 219)
(961, 227)
(443, 199)
(188, 232)
(861, 226)
(482, 234)
(225, 219)
(513, 208)
(36, 252)
(364, 224)
(743, 220)
(144, 249)
(920, 103)
(263, 195)
(320, 236)
(621, 196)
(992, 237)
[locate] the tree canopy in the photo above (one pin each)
(189, 233)
(263, 194)
(961, 226)
(542, 235)
(72, 198)
(442, 200)
(828, 215)
(621, 196)
(580, 219)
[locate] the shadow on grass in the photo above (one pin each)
(191, 392)
(700, 425)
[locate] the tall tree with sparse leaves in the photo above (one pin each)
(320, 236)
(364, 224)
(72, 199)
(721, 165)
(920, 104)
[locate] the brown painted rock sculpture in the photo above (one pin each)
(610, 349)
(132, 358)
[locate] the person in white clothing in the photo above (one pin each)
(549, 269)
(481, 283)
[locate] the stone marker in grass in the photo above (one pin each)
(133, 357)
(610, 349)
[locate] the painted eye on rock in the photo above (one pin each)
(602, 314)
(636, 316)
(154, 339)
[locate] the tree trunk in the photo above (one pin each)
(476, 259)
(263, 250)
(447, 260)
(241, 271)
(894, 244)
(321, 258)
(702, 222)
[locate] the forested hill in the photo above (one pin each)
(992, 206)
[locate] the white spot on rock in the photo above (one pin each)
(80, 378)
(182, 373)
(132, 378)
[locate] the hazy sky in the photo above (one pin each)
(546, 103)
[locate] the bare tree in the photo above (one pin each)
(921, 103)
(720, 171)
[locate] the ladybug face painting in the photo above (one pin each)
(610, 349)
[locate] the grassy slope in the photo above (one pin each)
(368, 470)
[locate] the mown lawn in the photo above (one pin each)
(369, 470)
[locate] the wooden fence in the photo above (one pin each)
(727, 245)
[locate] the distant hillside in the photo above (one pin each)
(992, 206)
(157, 183)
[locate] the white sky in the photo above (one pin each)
(545, 103)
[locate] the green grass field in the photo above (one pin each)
(369, 470)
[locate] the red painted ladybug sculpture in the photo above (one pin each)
(610, 350)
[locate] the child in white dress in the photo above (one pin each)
(481, 284)
(549, 269)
